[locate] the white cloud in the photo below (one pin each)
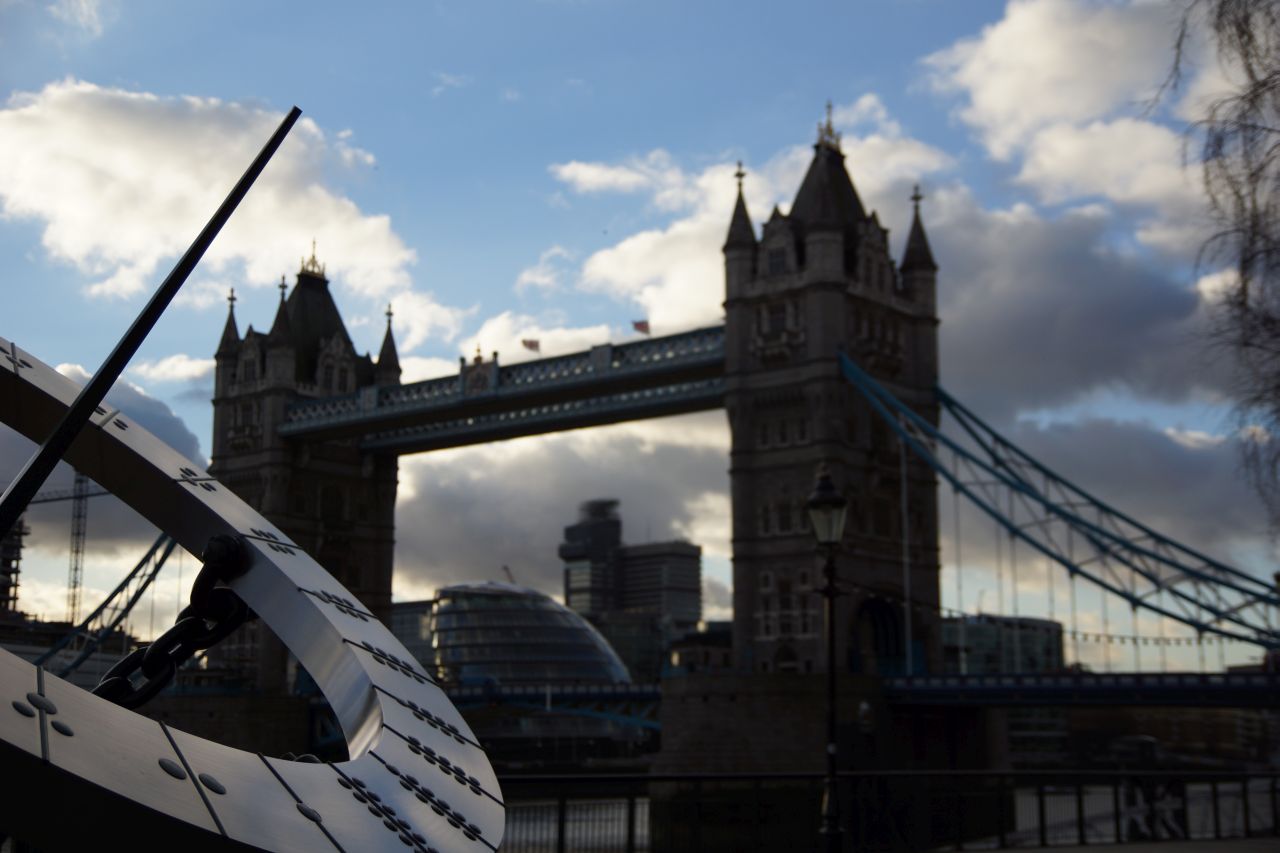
(1050, 61)
(547, 273)
(415, 368)
(675, 273)
(1125, 160)
(174, 368)
(505, 332)
(446, 81)
(122, 181)
(418, 316)
(85, 14)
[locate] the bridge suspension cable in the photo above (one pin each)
(1044, 511)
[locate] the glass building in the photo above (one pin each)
(495, 633)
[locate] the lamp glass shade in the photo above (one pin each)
(827, 511)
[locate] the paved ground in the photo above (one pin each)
(1234, 845)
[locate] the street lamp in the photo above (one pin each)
(827, 512)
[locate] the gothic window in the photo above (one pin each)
(782, 431)
(766, 581)
(777, 318)
(784, 516)
(764, 435)
(777, 260)
(802, 579)
(328, 377)
(249, 370)
(765, 527)
(342, 379)
(802, 429)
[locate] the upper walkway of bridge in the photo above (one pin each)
(682, 372)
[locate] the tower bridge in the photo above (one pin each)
(827, 355)
(308, 431)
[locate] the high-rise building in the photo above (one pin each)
(985, 643)
(641, 597)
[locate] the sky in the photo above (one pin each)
(558, 169)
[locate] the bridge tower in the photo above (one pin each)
(820, 280)
(334, 500)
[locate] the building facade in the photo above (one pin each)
(641, 597)
(331, 498)
(820, 280)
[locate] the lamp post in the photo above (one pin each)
(827, 512)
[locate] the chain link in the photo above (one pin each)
(212, 614)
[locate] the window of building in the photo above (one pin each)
(249, 371)
(784, 516)
(777, 318)
(777, 260)
(766, 581)
(782, 431)
(802, 429)
(327, 383)
(342, 379)
(764, 435)
(764, 519)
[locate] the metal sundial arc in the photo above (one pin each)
(417, 779)
(917, 433)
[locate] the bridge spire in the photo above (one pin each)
(388, 361)
(917, 256)
(230, 342)
(741, 233)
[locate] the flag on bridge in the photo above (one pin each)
(641, 326)
(531, 344)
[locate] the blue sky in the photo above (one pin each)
(557, 169)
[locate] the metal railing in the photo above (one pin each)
(888, 811)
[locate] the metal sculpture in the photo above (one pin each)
(416, 777)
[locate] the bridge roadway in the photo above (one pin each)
(653, 377)
(1185, 689)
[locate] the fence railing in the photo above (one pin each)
(889, 811)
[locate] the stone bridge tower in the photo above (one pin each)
(819, 280)
(335, 501)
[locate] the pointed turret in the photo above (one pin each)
(741, 232)
(281, 334)
(917, 256)
(740, 245)
(388, 371)
(230, 342)
(826, 197)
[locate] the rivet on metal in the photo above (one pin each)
(62, 728)
(23, 708)
(309, 813)
(172, 768)
(212, 784)
(42, 703)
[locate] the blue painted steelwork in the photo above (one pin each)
(1055, 518)
(83, 640)
(485, 388)
(1231, 690)
(574, 413)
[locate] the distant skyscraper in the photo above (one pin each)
(998, 644)
(641, 597)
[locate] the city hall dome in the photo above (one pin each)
(496, 633)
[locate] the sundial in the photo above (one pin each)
(80, 769)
